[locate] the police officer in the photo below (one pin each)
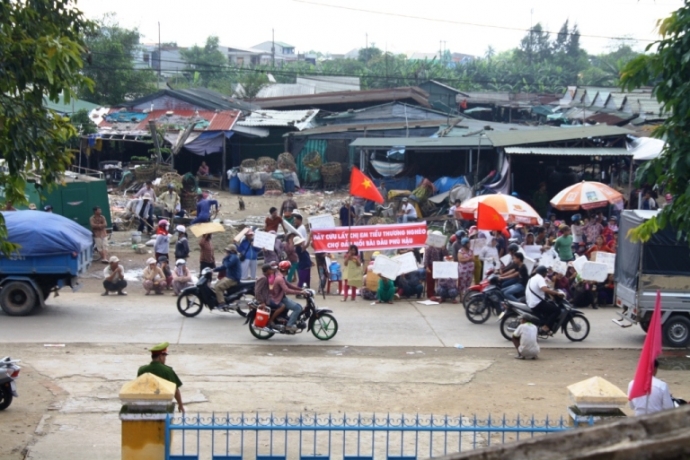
(159, 369)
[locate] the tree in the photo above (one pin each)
(667, 69)
(535, 46)
(113, 50)
(251, 83)
(207, 65)
(41, 48)
(367, 54)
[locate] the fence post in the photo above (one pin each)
(146, 402)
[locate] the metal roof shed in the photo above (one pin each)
(542, 136)
(422, 143)
(570, 151)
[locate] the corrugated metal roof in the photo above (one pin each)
(342, 128)
(300, 119)
(568, 151)
(285, 89)
(347, 99)
(420, 143)
(538, 136)
(222, 120)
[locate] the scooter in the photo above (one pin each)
(9, 371)
(481, 305)
(570, 321)
(319, 321)
(194, 298)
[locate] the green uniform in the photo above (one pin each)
(386, 290)
(162, 371)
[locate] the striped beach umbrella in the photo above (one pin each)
(585, 195)
(512, 209)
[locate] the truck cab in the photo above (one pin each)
(643, 268)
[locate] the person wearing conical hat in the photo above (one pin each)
(158, 368)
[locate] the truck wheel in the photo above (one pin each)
(677, 331)
(17, 298)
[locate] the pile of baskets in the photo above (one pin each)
(312, 160)
(248, 165)
(273, 187)
(169, 178)
(331, 174)
(287, 161)
(188, 200)
(145, 173)
(266, 164)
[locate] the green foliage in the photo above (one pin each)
(251, 83)
(41, 44)
(112, 50)
(667, 69)
(207, 66)
(367, 54)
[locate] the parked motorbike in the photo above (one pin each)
(476, 289)
(570, 321)
(481, 305)
(194, 298)
(319, 321)
(9, 372)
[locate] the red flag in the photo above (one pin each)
(642, 385)
(489, 219)
(363, 187)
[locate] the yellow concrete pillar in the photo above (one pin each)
(595, 400)
(146, 401)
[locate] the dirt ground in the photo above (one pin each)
(322, 379)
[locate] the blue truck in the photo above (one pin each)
(54, 251)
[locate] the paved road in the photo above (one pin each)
(89, 318)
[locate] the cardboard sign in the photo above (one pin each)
(533, 251)
(579, 263)
(290, 228)
(264, 240)
(477, 244)
(325, 221)
(606, 258)
(386, 267)
(408, 263)
(442, 270)
(506, 260)
(594, 271)
(370, 237)
(241, 234)
(436, 241)
(530, 264)
(559, 267)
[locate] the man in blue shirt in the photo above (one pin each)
(233, 272)
(203, 209)
(250, 254)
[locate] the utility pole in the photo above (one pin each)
(160, 57)
(273, 48)
(366, 41)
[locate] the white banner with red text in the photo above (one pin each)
(370, 237)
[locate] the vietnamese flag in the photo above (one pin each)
(489, 219)
(363, 187)
(642, 385)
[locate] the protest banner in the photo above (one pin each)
(408, 263)
(437, 241)
(559, 266)
(370, 237)
(325, 221)
(594, 271)
(443, 270)
(264, 240)
(606, 258)
(386, 267)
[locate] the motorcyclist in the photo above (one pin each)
(510, 274)
(280, 291)
(233, 272)
(263, 290)
(535, 295)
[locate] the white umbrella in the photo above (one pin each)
(646, 148)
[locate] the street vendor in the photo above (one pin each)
(170, 200)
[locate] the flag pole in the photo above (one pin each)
(349, 221)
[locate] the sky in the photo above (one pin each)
(400, 26)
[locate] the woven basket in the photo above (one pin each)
(165, 169)
(273, 184)
(145, 173)
(248, 165)
(169, 178)
(312, 160)
(331, 173)
(287, 161)
(188, 201)
(267, 164)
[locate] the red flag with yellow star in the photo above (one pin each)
(489, 219)
(363, 187)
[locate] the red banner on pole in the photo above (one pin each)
(370, 237)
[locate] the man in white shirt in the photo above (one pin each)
(658, 399)
(301, 229)
(408, 213)
(525, 340)
(535, 295)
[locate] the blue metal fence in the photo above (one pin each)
(340, 437)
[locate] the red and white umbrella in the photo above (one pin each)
(585, 195)
(512, 209)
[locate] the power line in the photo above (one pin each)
(450, 21)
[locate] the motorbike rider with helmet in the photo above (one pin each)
(280, 291)
(535, 296)
(233, 273)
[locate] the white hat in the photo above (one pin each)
(147, 196)
(180, 228)
(150, 261)
(113, 259)
(298, 240)
(180, 262)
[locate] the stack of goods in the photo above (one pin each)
(144, 174)
(273, 187)
(189, 183)
(169, 178)
(287, 161)
(188, 200)
(332, 174)
(162, 169)
(266, 164)
(248, 165)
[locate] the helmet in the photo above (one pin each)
(494, 280)
(284, 265)
(459, 234)
(207, 272)
(542, 270)
(162, 223)
(513, 247)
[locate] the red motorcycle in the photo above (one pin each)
(476, 289)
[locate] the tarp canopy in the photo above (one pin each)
(646, 148)
(45, 234)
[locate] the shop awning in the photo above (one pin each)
(569, 151)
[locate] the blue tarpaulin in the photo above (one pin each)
(443, 184)
(45, 234)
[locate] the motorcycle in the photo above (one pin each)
(193, 299)
(9, 371)
(319, 321)
(570, 321)
(481, 305)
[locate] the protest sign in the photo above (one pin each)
(408, 263)
(559, 266)
(443, 270)
(529, 264)
(579, 263)
(477, 244)
(533, 251)
(386, 267)
(606, 258)
(594, 271)
(437, 241)
(241, 234)
(370, 237)
(506, 260)
(264, 240)
(325, 221)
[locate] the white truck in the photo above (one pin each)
(642, 269)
